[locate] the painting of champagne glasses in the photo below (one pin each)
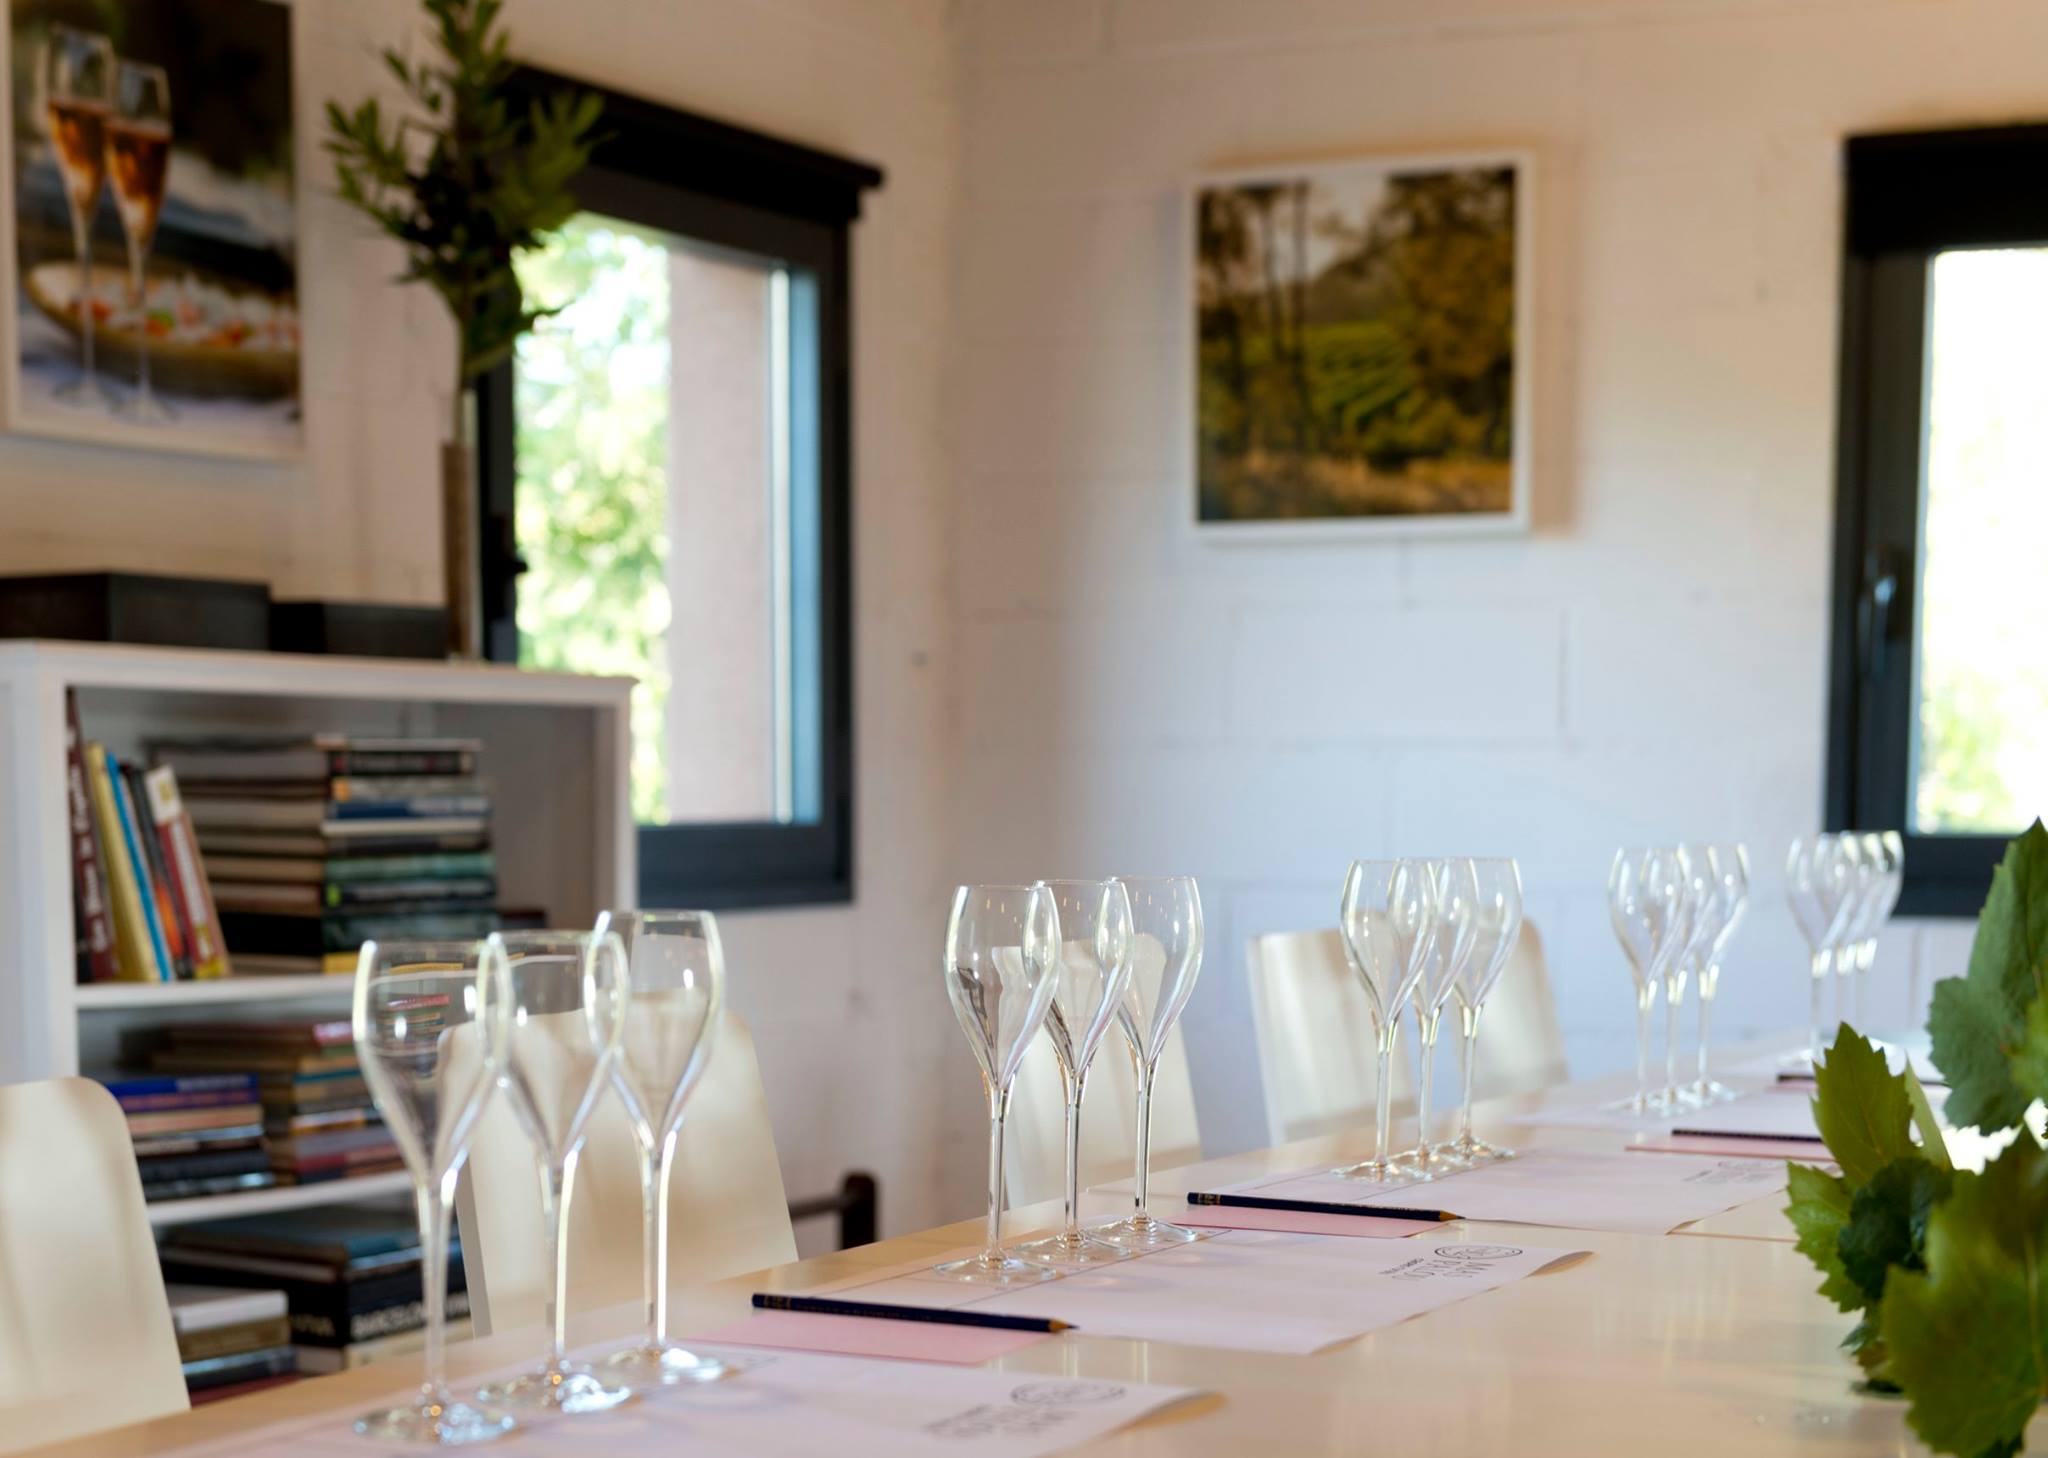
(155, 298)
(1360, 337)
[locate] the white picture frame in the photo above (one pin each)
(272, 429)
(1358, 172)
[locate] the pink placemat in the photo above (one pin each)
(1806, 1151)
(869, 1336)
(1300, 1222)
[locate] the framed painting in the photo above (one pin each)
(151, 226)
(1360, 340)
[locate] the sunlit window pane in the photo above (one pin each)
(1981, 744)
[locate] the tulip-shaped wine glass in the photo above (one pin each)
(1497, 924)
(675, 969)
(1817, 884)
(1094, 970)
(1729, 867)
(1166, 958)
(1388, 920)
(569, 996)
(1881, 853)
(430, 1022)
(1645, 901)
(1861, 887)
(1002, 960)
(1701, 893)
(1454, 892)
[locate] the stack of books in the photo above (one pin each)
(314, 846)
(350, 1275)
(140, 896)
(231, 1340)
(318, 1122)
(199, 1135)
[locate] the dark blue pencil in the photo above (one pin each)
(829, 1306)
(1319, 1207)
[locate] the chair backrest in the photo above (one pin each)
(1521, 1048)
(1035, 1143)
(86, 1341)
(728, 1212)
(1313, 1027)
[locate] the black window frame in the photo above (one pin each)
(711, 181)
(1909, 196)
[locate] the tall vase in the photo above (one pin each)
(459, 551)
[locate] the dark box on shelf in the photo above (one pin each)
(372, 630)
(134, 607)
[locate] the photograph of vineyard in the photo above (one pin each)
(1356, 329)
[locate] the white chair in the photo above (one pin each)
(86, 1342)
(728, 1213)
(1313, 1027)
(1035, 1143)
(1521, 1048)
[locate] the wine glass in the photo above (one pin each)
(1703, 913)
(569, 995)
(1645, 901)
(1094, 972)
(1497, 922)
(675, 970)
(1859, 874)
(139, 163)
(430, 1022)
(1883, 853)
(1454, 896)
(1002, 960)
(1729, 867)
(1816, 883)
(1166, 957)
(78, 90)
(1388, 918)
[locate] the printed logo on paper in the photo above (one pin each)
(1066, 1394)
(1478, 1252)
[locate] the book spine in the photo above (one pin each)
(131, 932)
(169, 928)
(370, 895)
(370, 763)
(399, 787)
(88, 867)
(181, 854)
(410, 807)
(345, 870)
(140, 861)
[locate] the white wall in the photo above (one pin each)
(1647, 664)
(845, 1009)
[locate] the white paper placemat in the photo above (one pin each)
(786, 1405)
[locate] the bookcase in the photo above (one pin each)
(555, 747)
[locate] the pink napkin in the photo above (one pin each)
(1806, 1151)
(872, 1336)
(1301, 1222)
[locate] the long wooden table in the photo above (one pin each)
(1707, 1342)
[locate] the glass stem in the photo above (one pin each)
(998, 1108)
(1646, 999)
(433, 1205)
(554, 1210)
(1140, 1207)
(1073, 1225)
(1468, 1054)
(655, 1165)
(1819, 970)
(1426, 1025)
(1383, 1104)
(1708, 976)
(1672, 993)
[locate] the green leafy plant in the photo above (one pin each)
(1947, 1268)
(467, 180)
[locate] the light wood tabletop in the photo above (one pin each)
(1711, 1341)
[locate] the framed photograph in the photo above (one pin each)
(151, 226)
(1360, 340)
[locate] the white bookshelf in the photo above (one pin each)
(555, 748)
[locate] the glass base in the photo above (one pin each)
(1424, 1162)
(1471, 1149)
(144, 408)
(995, 1268)
(1373, 1171)
(1712, 1091)
(1143, 1232)
(1635, 1103)
(436, 1422)
(1069, 1250)
(566, 1389)
(649, 1365)
(87, 390)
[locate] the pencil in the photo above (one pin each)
(1320, 1207)
(1738, 1134)
(828, 1306)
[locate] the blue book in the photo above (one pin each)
(149, 1085)
(124, 805)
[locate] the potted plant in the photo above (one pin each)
(465, 179)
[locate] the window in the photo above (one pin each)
(1939, 700)
(665, 493)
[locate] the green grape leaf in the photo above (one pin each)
(1968, 1337)
(1888, 1224)
(1861, 1108)
(2029, 1061)
(1978, 1021)
(1933, 1147)
(1819, 1211)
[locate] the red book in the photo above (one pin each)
(88, 868)
(185, 872)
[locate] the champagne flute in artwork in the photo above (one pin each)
(78, 91)
(139, 164)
